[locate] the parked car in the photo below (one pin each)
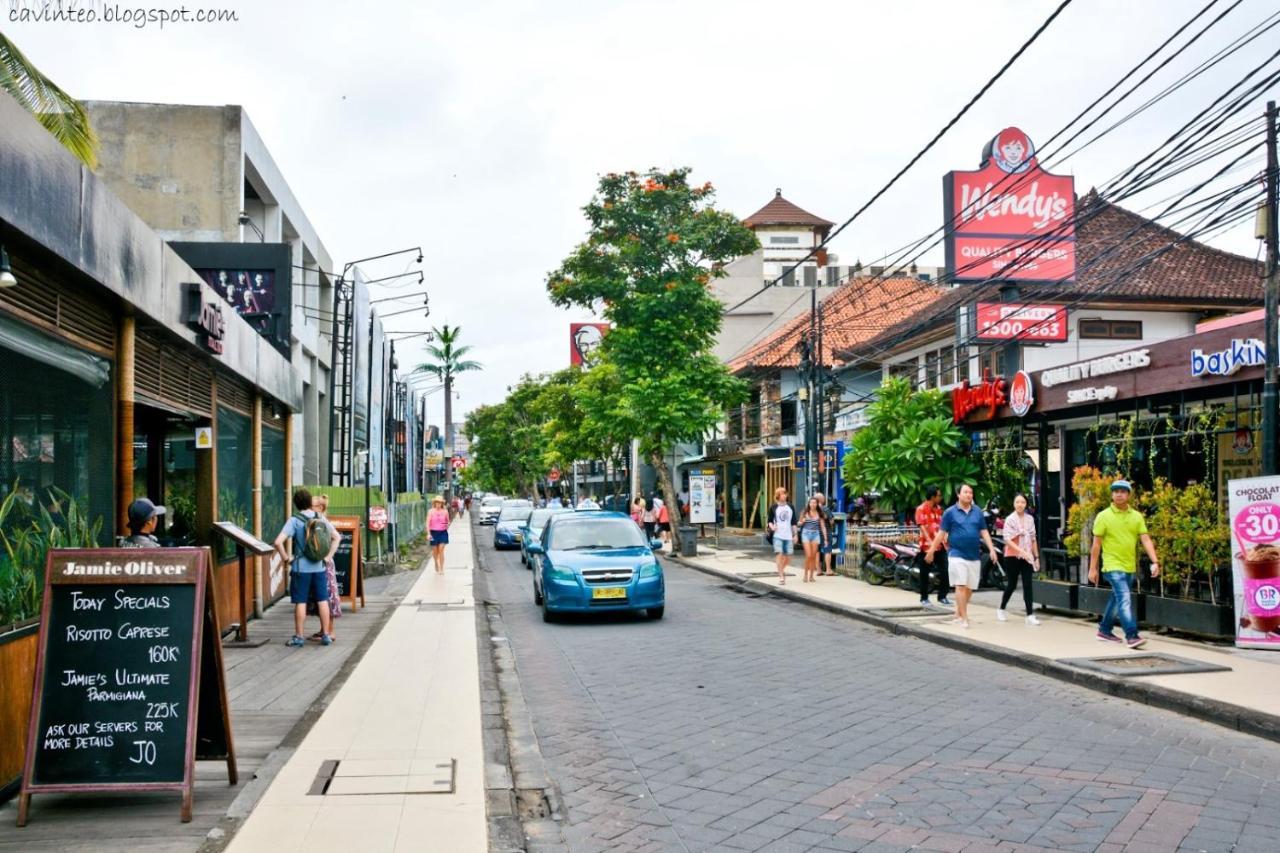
(506, 531)
(532, 530)
(489, 509)
(595, 560)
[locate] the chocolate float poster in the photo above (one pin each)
(1254, 514)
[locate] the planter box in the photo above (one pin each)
(1196, 617)
(1093, 599)
(1060, 595)
(17, 678)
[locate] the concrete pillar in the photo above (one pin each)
(311, 425)
(125, 350)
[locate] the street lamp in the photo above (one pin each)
(245, 220)
(6, 274)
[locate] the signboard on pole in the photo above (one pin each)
(702, 499)
(1254, 515)
(1014, 321)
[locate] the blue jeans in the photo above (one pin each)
(1120, 604)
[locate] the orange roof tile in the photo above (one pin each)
(782, 212)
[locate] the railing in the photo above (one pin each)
(856, 538)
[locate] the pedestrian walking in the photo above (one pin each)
(662, 516)
(637, 512)
(312, 544)
(649, 520)
(1021, 557)
(1117, 530)
(782, 531)
(827, 554)
(963, 531)
(813, 535)
(438, 526)
(320, 504)
(929, 520)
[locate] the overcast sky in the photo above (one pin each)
(478, 129)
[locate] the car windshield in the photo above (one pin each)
(492, 502)
(514, 513)
(540, 516)
(596, 533)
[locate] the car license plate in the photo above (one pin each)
(609, 592)
(517, 537)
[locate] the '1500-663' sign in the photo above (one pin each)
(1013, 321)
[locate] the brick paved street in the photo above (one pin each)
(743, 723)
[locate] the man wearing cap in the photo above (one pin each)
(1117, 530)
(143, 518)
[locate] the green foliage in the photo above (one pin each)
(908, 445)
(507, 442)
(59, 113)
(1003, 470)
(1190, 531)
(27, 534)
(1093, 492)
(446, 355)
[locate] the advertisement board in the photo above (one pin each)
(254, 279)
(702, 499)
(584, 340)
(1254, 515)
(1010, 321)
(1010, 220)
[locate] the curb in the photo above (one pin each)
(1245, 720)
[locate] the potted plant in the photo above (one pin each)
(1092, 492)
(1193, 539)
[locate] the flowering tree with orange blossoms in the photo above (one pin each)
(655, 244)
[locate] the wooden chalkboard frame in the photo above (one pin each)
(205, 651)
(350, 524)
(244, 541)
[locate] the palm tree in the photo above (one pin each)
(61, 114)
(447, 362)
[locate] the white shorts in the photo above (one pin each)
(964, 572)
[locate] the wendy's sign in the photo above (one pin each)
(1010, 220)
(989, 394)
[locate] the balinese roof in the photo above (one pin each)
(779, 211)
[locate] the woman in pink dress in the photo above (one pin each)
(438, 526)
(320, 506)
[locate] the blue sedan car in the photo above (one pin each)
(592, 561)
(506, 531)
(532, 530)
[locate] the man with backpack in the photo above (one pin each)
(314, 541)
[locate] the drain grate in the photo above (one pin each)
(1129, 666)
(915, 611)
(360, 777)
(772, 574)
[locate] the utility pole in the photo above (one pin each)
(1269, 388)
(448, 435)
(810, 426)
(819, 471)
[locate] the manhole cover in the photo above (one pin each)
(1129, 666)
(354, 777)
(908, 612)
(437, 605)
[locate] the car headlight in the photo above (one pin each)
(560, 574)
(652, 570)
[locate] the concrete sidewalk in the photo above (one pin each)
(1242, 697)
(405, 733)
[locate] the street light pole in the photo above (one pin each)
(1270, 387)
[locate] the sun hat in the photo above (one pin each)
(1121, 484)
(438, 499)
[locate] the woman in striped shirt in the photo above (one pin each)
(1021, 557)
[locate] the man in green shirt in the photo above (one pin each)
(1117, 530)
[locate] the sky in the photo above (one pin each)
(478, 130)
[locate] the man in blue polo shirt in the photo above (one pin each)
(963, 532)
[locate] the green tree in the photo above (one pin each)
(447, 362)
(59, 113)
(654, 245)
(909, 444)
(507, 443)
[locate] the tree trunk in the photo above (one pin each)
(448, 439)
(668, 496)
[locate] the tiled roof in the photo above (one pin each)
(782, 212)
(1109, 240)
(855, 313)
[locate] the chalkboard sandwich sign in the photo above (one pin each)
(348, 567)
(129, 685)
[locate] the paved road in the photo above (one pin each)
(743, 723)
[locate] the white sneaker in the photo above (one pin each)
(1001, 616)
(1032, 620)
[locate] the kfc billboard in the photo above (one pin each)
(1010, 220)
(584, 340)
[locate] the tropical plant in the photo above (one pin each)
(654, 246)
(27, 534)
(447, 362)
(1191, 532)
(59, 113)
(908, 445)
(1003, 469)
(1092, 490)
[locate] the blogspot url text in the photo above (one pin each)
(138, 17)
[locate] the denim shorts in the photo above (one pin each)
(810, 535)
(782, 546)
(308, 586)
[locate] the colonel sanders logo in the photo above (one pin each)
(1011, 150)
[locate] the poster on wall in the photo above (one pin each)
(255, 279)
(702, 499)
(1254, 516)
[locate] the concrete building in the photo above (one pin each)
(190, 172)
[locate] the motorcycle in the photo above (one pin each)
(879, 564)
(992, 573)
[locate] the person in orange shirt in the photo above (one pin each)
(929, 520)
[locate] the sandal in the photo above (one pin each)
(295, 640)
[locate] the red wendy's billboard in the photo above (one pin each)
(1010, 220)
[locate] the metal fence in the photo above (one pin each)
(410, 520)
(856, 539)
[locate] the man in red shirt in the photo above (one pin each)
(929, 520)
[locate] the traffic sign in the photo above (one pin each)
(458, 462)
(554, 476)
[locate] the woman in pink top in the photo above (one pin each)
(637, 512)
(1021, 557)
(438, 525)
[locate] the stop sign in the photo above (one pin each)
(554, 476)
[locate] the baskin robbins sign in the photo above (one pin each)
(1010, 220)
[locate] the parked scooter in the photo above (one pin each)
(879, 564)
(992, 573)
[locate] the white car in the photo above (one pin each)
(489, 509)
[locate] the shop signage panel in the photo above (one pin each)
(1254, 514)
(584, 341)
(1249, 352)
(205, 316)
(1010, 219)
(1022, 395)
(1007, 321)
(988, 396)
(702, 499)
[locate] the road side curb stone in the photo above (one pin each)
(1246, 720)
